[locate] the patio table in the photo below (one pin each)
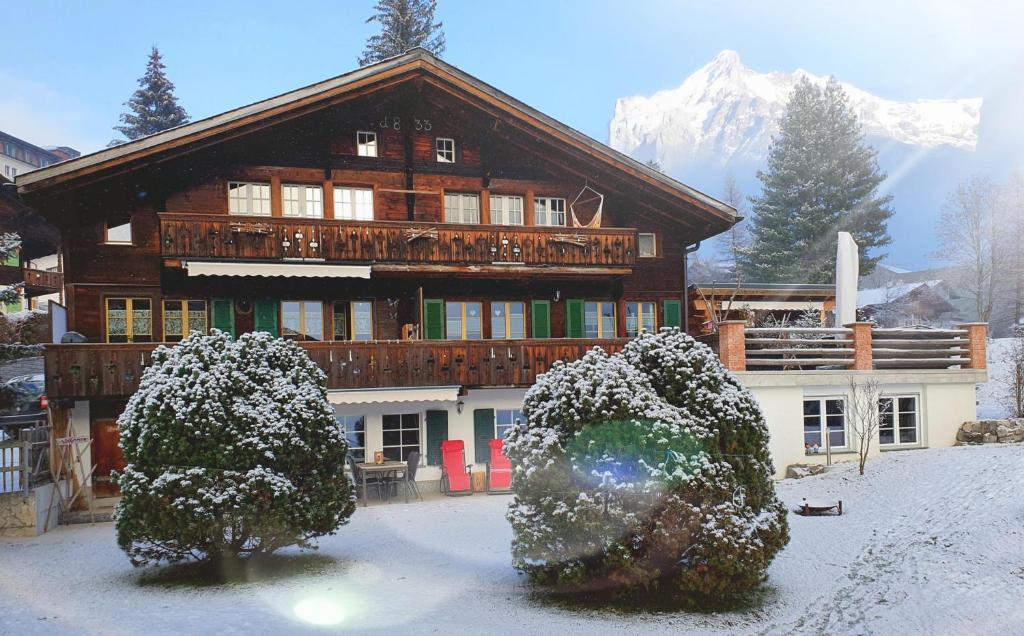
(389, 466)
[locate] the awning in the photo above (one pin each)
(401, 394)
(285, 270)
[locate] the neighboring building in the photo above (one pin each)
(433, 243)
(710, 303)
(18, 156)
(908, 304)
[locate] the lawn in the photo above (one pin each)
(932, 542)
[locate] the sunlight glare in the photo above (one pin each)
(319, 611)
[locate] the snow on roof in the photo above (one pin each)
(883, 295)
(894, 269)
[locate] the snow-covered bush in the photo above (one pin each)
(646, 470)
(232, 449)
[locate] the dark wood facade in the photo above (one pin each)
(173, 191)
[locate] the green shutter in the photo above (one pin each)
(224, 315)
(672, 314)
(437, 432)
(433, 319)
(265, 315)
(541, 318)
(574, 318)
(483, 433)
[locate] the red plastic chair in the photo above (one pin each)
(456, 476)
(499, 469)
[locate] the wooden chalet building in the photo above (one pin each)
(434, 243)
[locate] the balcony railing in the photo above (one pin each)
(37, 281)
(113, 370)
(203, 236)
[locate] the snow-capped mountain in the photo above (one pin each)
(726, 113)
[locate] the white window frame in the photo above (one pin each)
(299, 200)
(456, 209)
(654, 245)
(500, 423)
(644, 310)
(401, 446)
(251, 196)
(506, 209)
(599, 309)
(353, 203)
(896, 444)
(823, 414)
(366, 143)
(544, 212)
(344, 421)
(444, 150)
(505, 320)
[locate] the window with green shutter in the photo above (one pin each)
(672, 313)
(574, 318)
(224, 315)
(483, 433)
(541, 318)
(437, 432)
(265, 315)
(433, 319)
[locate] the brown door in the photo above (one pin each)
(106, 456)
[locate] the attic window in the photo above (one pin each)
(647, 245)
(118, 230)
(366, 144)
(445, 150)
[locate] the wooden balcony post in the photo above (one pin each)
(977, 342)
(863, 359)
(732, 344)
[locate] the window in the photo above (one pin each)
(354, 428)
(366, 144)
(183, 318)
(462, 321)
(506, 210)
(401, 435)
(504, 419)
(44, 163)
(549, 211)
(353, 203)
(118, 230)
(249, 198)
(897, 423)
(353, 320)
(445, 150)
(646, 245)
(819, 414)
(461, 208)
(302, 319)
(599, 320)
(508, 320)
(9, 149)
(302, 200)
(639, 317)
(129, 320)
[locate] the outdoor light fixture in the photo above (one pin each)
(558, 295)
(459, 406)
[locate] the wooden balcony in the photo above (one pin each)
(37, 281)
(398, 246)
(77, 371)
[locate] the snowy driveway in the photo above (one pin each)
(932, 542)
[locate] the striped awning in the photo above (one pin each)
(401, 394)
(285, 270)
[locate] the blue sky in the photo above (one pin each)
(69, 66)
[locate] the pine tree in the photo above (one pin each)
(405, 24)
(153, 106)
(822, 178)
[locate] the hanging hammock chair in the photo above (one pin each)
(593, 195)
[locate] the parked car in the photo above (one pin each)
(23, 401)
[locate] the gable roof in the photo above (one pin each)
(417, 59)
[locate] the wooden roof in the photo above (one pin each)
(714, 215)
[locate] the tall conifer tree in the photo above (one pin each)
(153, 107)
(822, 178)
(404, 24)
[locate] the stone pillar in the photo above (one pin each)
(863, 360)
(977, 339)
(732, 344)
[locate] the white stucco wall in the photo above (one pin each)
(946, 399)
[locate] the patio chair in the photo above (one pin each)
(499, 469)
(410, 475)
(372, 481)
(456, 475)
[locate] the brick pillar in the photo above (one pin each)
(863, 360)
(732, 344)
(977, 338)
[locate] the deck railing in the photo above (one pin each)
(42, 280)
(858, 346)
(206, 236)
(24, 458)
(114, 370)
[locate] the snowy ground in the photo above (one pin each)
(931, 542)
